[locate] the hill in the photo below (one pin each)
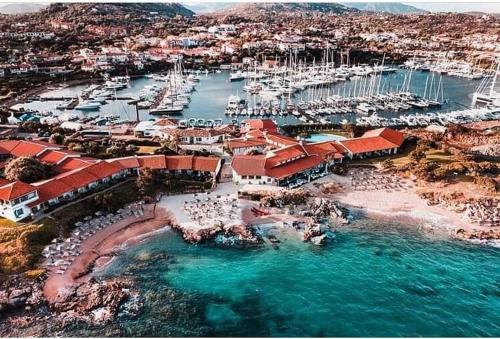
(77, 11)
(20, 8)
(207, 7)
(251, 8)
(387, 7)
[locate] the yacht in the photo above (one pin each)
(172, 109)
(237, 76)
(88, 105)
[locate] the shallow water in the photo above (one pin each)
(373, 280)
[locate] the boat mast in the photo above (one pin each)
(494, 80)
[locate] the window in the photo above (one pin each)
(18, 212)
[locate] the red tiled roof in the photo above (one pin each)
(205, 164)
(285, 154)
(258, 165)
(255, 134)
(70, 164)
(77, 178)
(103, 169)
(370, 144)
(249, 164)
(294, 167)
(325, 149)
(50, 189)
(167, 122)
(388, 134)
(55, 157)
(4, 182)
(262, 124)
(245, 143)
(27, 149)
(280, 139)
(129, 162)
(21, 148)
(152, 161)
(179, 162)
(15, 190)
(6, 146)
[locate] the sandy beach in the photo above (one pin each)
(99, 249)
(401, 204)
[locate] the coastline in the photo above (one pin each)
(99, 249)
(405, 206)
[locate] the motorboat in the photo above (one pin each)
(237, 76)
(88, 106)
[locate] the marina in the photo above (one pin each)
(384, 99)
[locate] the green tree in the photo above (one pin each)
(56, 138)
(26, 169)
(150, 181)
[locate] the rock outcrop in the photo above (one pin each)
(19, 292)
(232, 235)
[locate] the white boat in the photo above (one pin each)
(271, 92)
(88, 106)
(174, 109)
(237, 76)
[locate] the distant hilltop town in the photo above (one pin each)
(70, 39)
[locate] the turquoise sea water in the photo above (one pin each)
(372, 280)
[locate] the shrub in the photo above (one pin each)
(486, 183)
(417, 155)
(387, 164)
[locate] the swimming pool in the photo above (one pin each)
(323, 137)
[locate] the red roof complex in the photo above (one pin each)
(325, 149)
(286, 156)
(25, 148)
(179, 162)
(126, 163)
(246, 143)
(103, 169)
(76, 173)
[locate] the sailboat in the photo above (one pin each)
(485, 94)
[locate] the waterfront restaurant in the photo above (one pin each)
(264, 156)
